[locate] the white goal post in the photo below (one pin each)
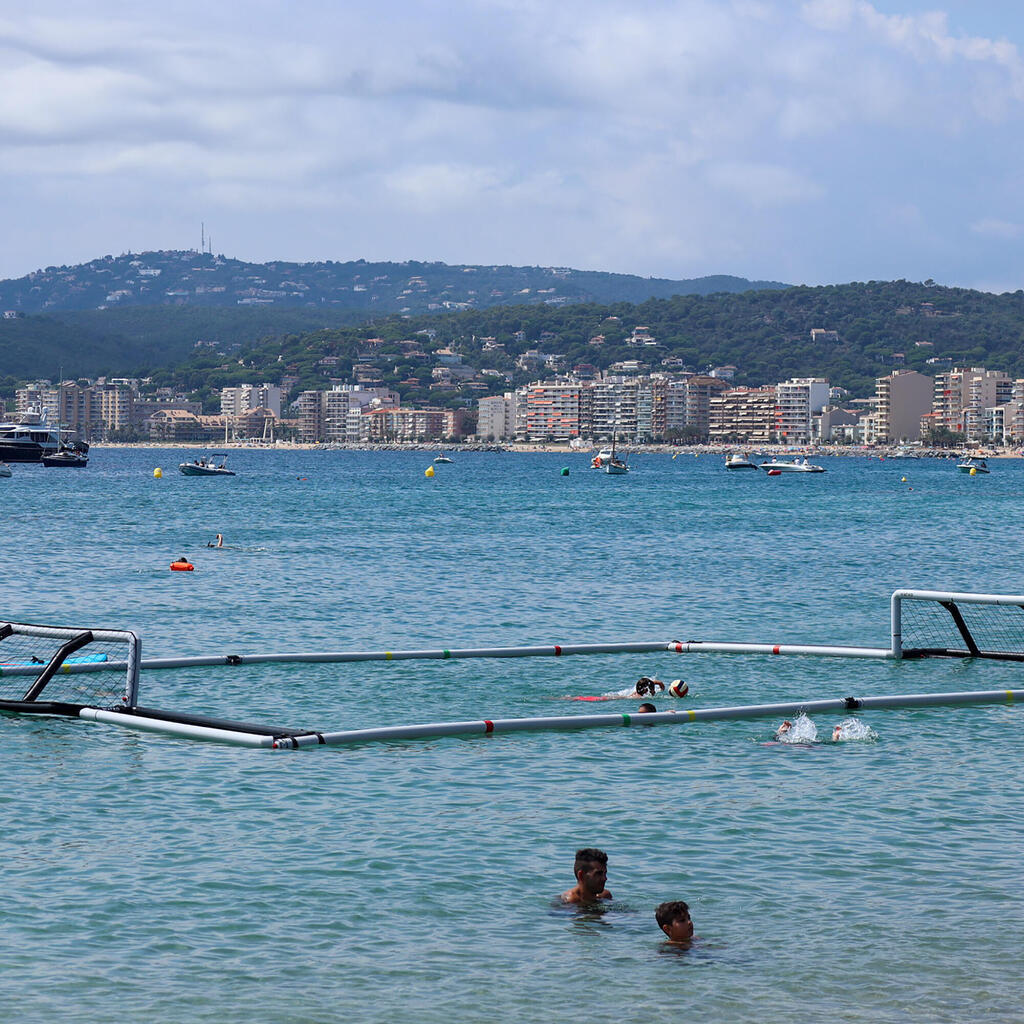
(947, 624)
(57, 670)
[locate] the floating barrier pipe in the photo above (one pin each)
(564, 722)
(819, 650)
(445, 653)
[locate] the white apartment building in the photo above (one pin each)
(237, 400)
(496, 417)
(796, 402)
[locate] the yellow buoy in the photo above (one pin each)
(903, 479)
(974, 471)
(429, 471)
(158, 473)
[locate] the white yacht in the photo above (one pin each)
(800, 465)
(737, 461)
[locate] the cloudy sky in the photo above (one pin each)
(810, 142)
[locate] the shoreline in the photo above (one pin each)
(658, 448)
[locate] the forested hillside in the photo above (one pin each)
(766, 335)
(864, 331)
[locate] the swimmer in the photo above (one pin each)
(783, 729)
(591, 871)
(645, 685)
(646, 709)
(674, 920)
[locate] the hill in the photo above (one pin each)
(861, 332)
(125, 314)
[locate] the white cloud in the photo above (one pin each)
(992, 227)
(663, 135)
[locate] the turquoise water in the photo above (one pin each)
(160, 880)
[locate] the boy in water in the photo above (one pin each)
(674, 919)
(591, 871)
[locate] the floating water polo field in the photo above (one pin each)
(94, 674)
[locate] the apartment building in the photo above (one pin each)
(553, 411)
(396, 424)
(901, 399)
(962, 394)
(327, 415)
(496, 417)
(238, 400)
(796, 401)
(745, 415)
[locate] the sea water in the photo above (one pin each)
(155, 879)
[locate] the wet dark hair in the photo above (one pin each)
(587, 856)
(673, 910)
(646, 708)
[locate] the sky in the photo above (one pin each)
(813, 142)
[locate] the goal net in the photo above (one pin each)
(55, 670)
(927, 623)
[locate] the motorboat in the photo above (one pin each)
(603, 457)
(443, 458)
(5, 470)
(800, 465)
(206, 466)
(66, 458)
(973, 465)
(737, 461)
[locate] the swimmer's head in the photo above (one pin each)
(837, 734)
(644, 685)
(646, 709)
(678, 688)
(674, 920)
(785, 727)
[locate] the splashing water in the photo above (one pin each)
(853, 729)
(800, 730)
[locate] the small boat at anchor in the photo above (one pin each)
(738, 461)
(66, 458)
(442, 458)
(206, 466)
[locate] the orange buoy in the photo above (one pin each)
(182, 565)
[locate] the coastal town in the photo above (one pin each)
(958, 406)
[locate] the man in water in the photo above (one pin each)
(591, 871)
(674, 920)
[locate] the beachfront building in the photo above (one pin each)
(387, 424)
(962, 394)
(744, 415)
(901, 399)
(324, 415)
(553, 411)
(796, 402)
(612, 412)
(238, 400)
(496, 417)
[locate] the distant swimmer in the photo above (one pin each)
(218, 542)
(591, 871)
